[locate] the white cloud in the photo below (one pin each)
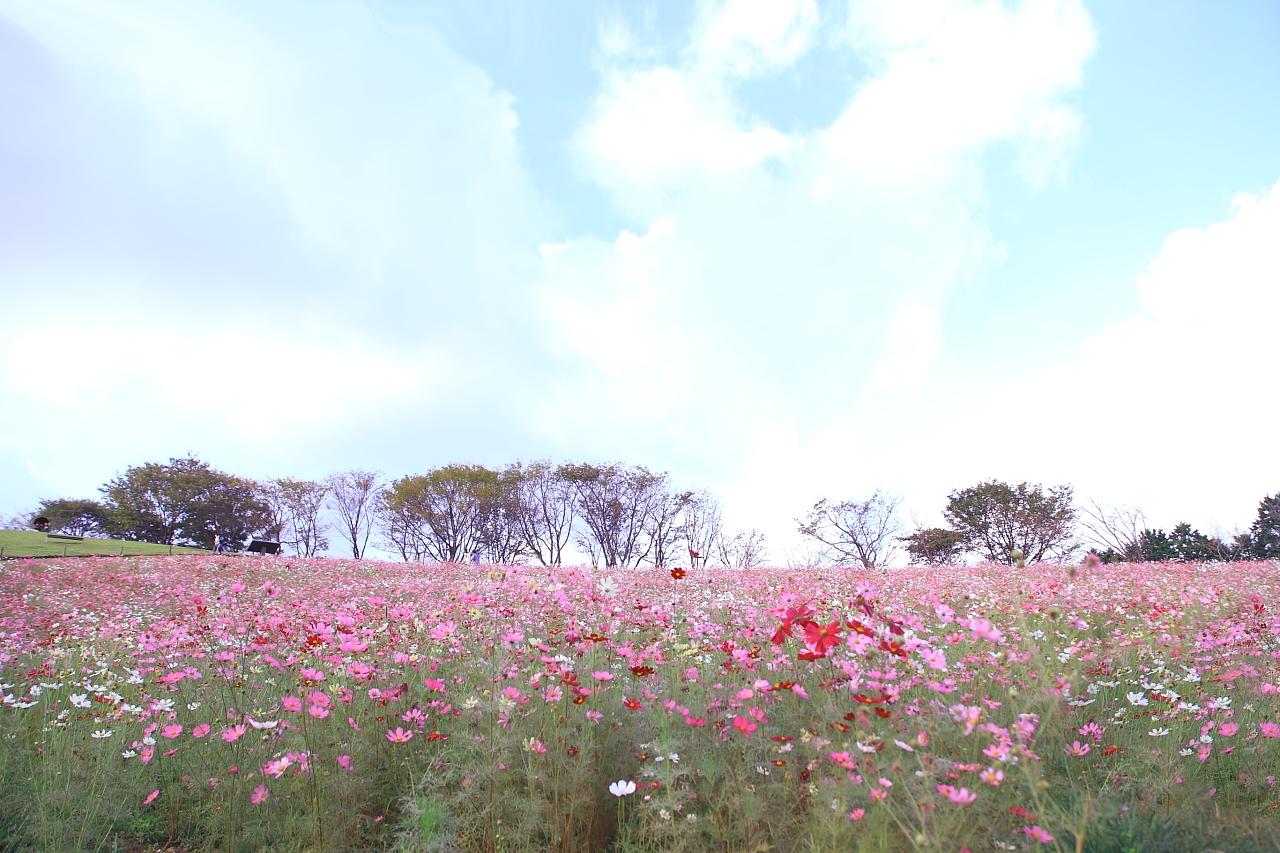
(810, 270)
(745, 37)
(262, 385)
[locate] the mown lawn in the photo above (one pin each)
(29, 543)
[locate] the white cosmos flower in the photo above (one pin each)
(1136, 698)
(101, 733)
(267, 724)
(622, 788)
(1158, 732)
(80, 700)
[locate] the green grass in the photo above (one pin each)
(29, 543)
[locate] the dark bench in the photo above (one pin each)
(64, 537)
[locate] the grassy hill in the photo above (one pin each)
(29, 543)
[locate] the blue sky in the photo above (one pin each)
(783, 250)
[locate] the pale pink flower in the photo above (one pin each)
(960, 796)
(150, 798)
(1271, 730)
(200, 730)
(171, 731)
(259, 795)
(233, 733)
(601, 675)
(399, 735)
(344, 761)
(1228, 729)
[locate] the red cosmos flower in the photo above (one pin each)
(677, 573)
(641, 671)
(821, 638)
(792, 615)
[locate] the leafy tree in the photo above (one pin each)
(454, 511)
(75, 516)
(935, 546)
(1192, 546)
(1154, 546)
(996, 519)
(854, 531)
(184, 502)
(616, 505)
(1262, 542)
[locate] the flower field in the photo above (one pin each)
(231, 703)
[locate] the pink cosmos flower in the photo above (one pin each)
(960, 796)
(233, 733)
(856, 814)
(1038, 833)
(318, 711)
(744, 725)
(1228, 729)
(171, 732)
(1271, 730)
(150, 798)
(344, 761)
(1077, 749)
(992, 776)
(200, 730)
(601, 675)
(399, 735)
(310, 674)
(259, 795)
(292, 704)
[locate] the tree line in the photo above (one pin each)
(1014, 524)
(618, 515)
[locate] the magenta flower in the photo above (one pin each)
(200, 730)
(150, 798)
(259, 795)
(232, 734)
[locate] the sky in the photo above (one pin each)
(782, 250)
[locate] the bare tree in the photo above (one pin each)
(303, 502)
(855, 531)
(400, 528)
(1116, 529)
(546, 514)
(616, 505)
(353, 496)
(742, 550)
(665, 525)
(701, 527)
